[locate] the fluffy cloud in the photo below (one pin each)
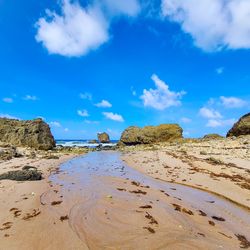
(209, 113)
(55, 124)
(86, 96)
(213, 123)
(8, 116)
(161, 97)
(7, 100)
(74, 33)
(232, 102)
(103, 104)
(213, 24)
(30, 98)
(83, 113)
(79, 30)
(114, 117)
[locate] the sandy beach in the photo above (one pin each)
(218, 166)
(25, 222)
(96, 201)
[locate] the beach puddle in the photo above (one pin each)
(112, 206)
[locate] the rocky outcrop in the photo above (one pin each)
(92, 141)
(31, 133)
(241, 127)
(103, 137)
(212, 137)
(150, 134)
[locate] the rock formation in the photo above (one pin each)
(103, 137)
(212, 136)
(150, 134)
(241, 127)
(31, 133)
(92, 141)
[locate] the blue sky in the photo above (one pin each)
(91, 66)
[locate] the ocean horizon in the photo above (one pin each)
(83, 143)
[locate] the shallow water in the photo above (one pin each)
(107, 218)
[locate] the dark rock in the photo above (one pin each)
(22, 175)
(150, 134)
(241, 127)
(103, 137)
(32, 133)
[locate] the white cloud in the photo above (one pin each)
(79, 30)
(83, 113)
(213, 24)
(103, 104)
(213, 123)
(55, 124)
(220, 70)
(74, 33)
(8, 116)
(185, 120)
(161, 97)
(7, 100)
(114, 117)
(86, 96)
(30, 98)
(232, 102)
(209, 113)
(66, 130)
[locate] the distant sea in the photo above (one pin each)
(83, 143)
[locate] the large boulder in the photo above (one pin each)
(32, 133)
(241, 127)
(150, 134)
(103, 137)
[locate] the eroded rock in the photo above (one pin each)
(31, 133)
(150, 134)
(103, 137)
(241, 127)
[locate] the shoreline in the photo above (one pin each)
(226, 177)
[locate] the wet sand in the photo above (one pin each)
(116, 207)
(96, 201)
(24, 222)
